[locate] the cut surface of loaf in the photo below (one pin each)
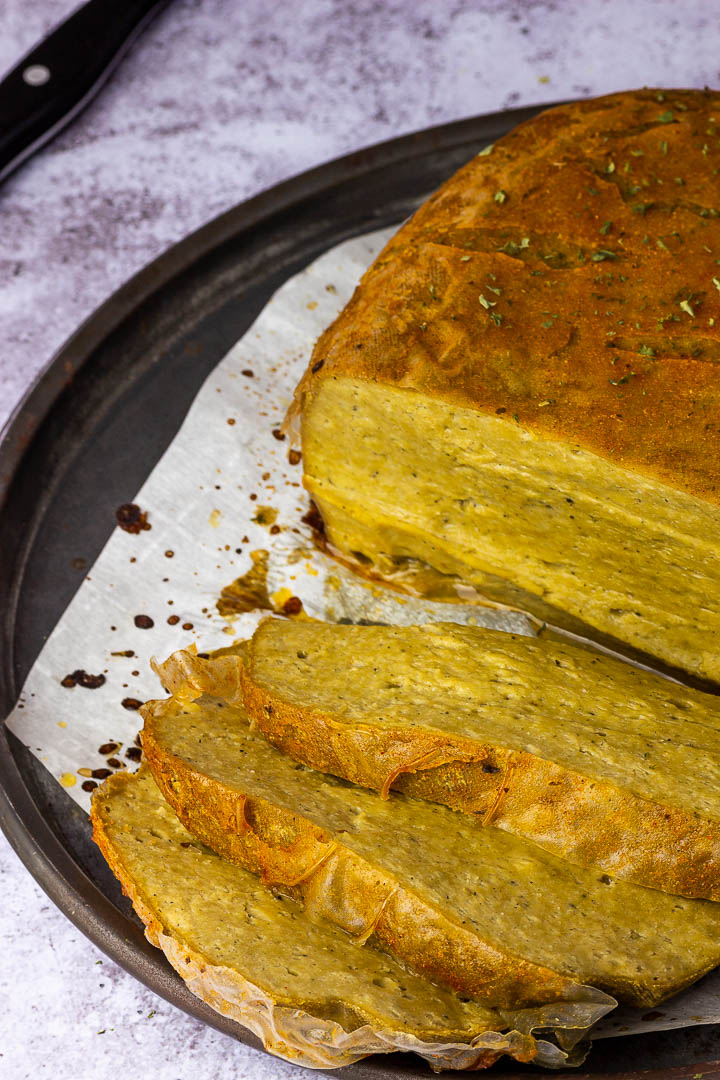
(525, 381)
(484, 912)
(304, 988)
(594, 760)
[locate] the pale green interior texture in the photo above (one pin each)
(225, 914)
(507, 891)
(397, 474)
(584, 711)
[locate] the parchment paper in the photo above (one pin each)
(222, 494)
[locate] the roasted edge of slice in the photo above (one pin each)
(587, 820)
(310, 863)
(137, 831)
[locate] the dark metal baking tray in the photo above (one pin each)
(84, 440)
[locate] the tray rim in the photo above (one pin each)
(38, 847)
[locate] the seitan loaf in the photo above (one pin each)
(525, 386)
(304, 988)
(593, 759)
(485, 913)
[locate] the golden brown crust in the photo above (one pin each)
(590, 822)
(314, 867)
(566, 281)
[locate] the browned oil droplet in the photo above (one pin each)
(143, 622)
(131, 518)
(134, 753)
(248, 373)
(89, 785)
(173, 620)
(274, 530)
(249, 592)
(131, 703)
(169, 554)
(265, 515)
(124, 652)
(278, 434)
(294, 457)
(292, 606)
(83, 678)
(116, 763)
(187, 626)
(100, 774)
(108, 748)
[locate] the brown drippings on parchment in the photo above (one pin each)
(313, 518)
(265, 515)
(83, 678)
(131, 518)
(249, 592)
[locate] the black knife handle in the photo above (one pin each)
(62, 74)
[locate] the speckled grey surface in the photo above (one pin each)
(220, 99)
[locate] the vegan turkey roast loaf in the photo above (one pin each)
(521, 399)
(487, 914)
(524, 391)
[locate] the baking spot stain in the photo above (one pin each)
(82, 678)
(265, 515)
(286, 603)
(215, 517)
(132, 519)
(249, 592)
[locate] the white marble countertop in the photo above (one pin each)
(217, 101)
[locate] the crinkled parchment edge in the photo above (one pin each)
(296, 1036)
